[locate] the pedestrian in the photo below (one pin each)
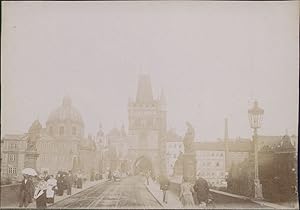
(40, 193)
(26, 190)
(75, 181)
(79, 180)
(109, 175)
(201, 189)
(60, 184)
(164, 186)
(68, 183)
(46, 175)
(92, 175)
(51, 188)
(186, 194)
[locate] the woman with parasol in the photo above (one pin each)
(40, 193)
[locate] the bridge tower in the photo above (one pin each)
(147, 125)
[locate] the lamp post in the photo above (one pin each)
(255, 118)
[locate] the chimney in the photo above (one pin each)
(227, 161)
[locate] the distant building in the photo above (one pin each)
(174, 146)
(117, 144)
(211, 162)
(61, 145)
(13, 156)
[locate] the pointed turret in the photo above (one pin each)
(123, 132)
(144, 92)
(162, 97)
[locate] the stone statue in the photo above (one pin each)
(33, 135)
(189, 138)
(31, 144)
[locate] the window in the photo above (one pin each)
(61, 130)
(12, 157)
(12, 146)
(221, 154)
(217, 164)
(12, 170)
(74, 131)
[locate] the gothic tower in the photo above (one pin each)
(147, 123)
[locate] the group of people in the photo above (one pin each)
(44, 187)
(190, 195)
(41, 189)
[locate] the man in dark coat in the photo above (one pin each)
(164, 186)
(202, 190)
(68, 182)
(60, 184)
(26, 191)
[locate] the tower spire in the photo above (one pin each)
(144, 91)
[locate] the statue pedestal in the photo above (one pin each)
(189, 167)
(30, 159)
(258, 195)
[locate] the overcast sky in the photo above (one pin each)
(211, 58)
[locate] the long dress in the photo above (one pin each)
(186, 195)
(60, 185)
(40, 194)
(51, 184)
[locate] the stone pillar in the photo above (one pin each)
(189, 167)
(30, 159)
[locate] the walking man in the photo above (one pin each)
(26, 191)
(68, 181)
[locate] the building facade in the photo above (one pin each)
(13, 149)
(174, 147)
(117, 144)
(211, 166)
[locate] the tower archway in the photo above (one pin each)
(142, 164)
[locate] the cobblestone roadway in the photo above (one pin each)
(130, 192)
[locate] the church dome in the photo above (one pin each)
(66, 112)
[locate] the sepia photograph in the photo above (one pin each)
(149, 104)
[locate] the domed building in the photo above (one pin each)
(62, 145)
(65, 121)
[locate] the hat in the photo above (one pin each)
(41, 176)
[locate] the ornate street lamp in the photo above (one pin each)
(255, 118)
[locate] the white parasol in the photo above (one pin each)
(29, 171)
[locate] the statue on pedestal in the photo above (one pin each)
(189, 138)
(189, 158)
(31, 150)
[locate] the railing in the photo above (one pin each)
(10, 195)
(226, 197)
